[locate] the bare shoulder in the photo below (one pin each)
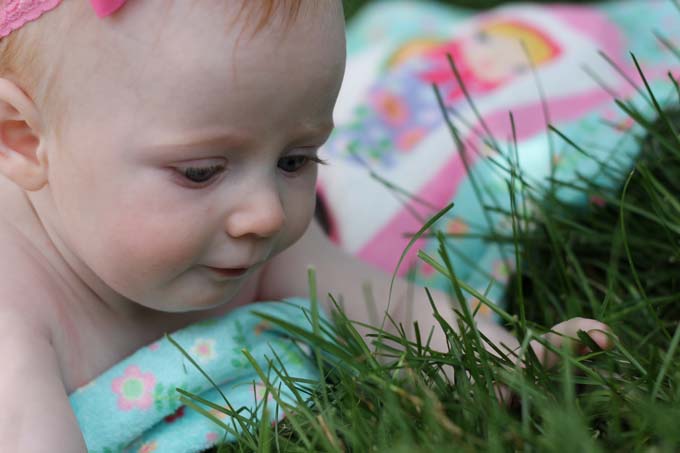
(29, 282)
(26, 286)
(31, 390)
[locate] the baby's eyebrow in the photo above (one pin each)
(231, 141)
(316, 131)
(325, 128)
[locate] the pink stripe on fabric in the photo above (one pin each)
(386, 246)
(529, 119)
(595, 24)
(389, 243)
(15, 14)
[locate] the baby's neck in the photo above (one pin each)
(41, 220)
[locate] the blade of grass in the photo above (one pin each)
(666, 362)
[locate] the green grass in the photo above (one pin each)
(620, 254)
(617, 262)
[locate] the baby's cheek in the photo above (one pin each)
(299, 208)
(152, 250)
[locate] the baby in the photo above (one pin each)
(159, 168)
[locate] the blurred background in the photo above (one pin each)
(352, 6)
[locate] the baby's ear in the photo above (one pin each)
(22, 158)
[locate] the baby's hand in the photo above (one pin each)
(567, 331)
(564, 332)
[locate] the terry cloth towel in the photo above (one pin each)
(134, 407)
(390, 127)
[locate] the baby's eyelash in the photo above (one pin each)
(201, 175)
(295, 163)
(319, 160)
(197, 176)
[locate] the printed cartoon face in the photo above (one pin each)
(187, 159)
(498, 51)
(494, 57)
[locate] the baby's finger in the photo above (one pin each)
(599, 332)
(567, 331)
(504, 395)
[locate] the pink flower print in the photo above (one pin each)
(610, 114)
(148, 447)
(134, 389)
(392, 109)
(598, 200)
(204, 350)
(427, 270)
(211, 438)
(457, 226)
(624, 125)
(409, 139)
(155, 346)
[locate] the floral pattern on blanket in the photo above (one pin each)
(135, 406)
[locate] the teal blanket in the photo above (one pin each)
(134, 406)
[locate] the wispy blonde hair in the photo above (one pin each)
(25, 62)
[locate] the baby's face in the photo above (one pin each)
(494, 57)
(190, 143)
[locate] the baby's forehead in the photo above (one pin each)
(151, 27)
(151, 22)
(186, 63)
(170, 31)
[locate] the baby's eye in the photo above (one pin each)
(291, 164)
(200, 175)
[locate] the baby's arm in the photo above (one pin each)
(340, 274)
(35, 414)
(343, 276)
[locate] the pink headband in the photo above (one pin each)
(15, 13)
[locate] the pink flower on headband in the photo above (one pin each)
(105, 7)
(14, 14)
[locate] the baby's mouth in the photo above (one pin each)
(235, 272)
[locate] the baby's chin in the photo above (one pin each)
(206, 302)
(196, 289)
(226, 302)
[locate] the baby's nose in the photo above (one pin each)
(261, 215)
